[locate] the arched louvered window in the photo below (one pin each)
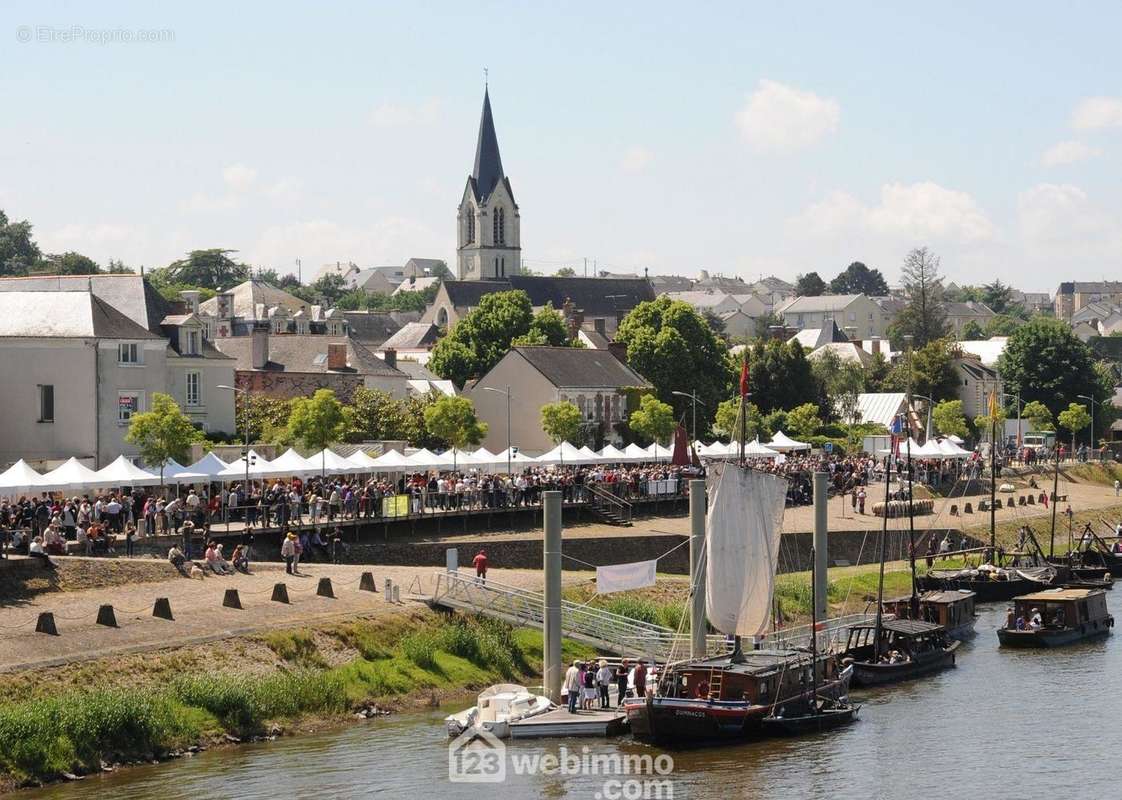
(471, 227)
(499, 224)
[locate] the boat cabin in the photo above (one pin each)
(952, 608)
(1060, 608)
(760, 677)
(907, 637)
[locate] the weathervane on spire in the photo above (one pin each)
(485, 81)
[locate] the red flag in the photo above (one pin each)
(744, 378)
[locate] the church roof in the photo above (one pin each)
(488, 169)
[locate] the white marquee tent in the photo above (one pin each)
(20, 479)
(782, 443)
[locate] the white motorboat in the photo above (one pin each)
(497, 707)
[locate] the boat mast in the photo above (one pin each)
(880, 577)
(1055, 494)
(993, 475)
(911, 480)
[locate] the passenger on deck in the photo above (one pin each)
(1034, 621)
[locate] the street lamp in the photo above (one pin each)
(692, 396)
(1091, 403)
(245, 415)
(508, 453)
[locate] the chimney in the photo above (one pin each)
(619, 350)
(191, 298)
(337, 355)
(389, 355)
(875, 342)
(225, 305)
(259, 346)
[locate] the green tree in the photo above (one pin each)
(925, 316)
(949, 418)
(669, 344)
(842, 381)
(933, 371)
(317, 421)
(18, 251)
(328, 289)
(414, 430)
(452, 418)
(726, 424)
(776, 421)
(972, 332)
(998, 297)
(1038, 416)
(546, 328)
(374, 414)
(1074, 418)
(653, 419)
(781, 376)
(454, 361)
(803, 420)
(566, 272)
(561, 421)
(117, 267)
(1043, 360)
(810, 285)
(69, 263)
(162, 432)
(1002, 325)
(212, 269)
(859, 279)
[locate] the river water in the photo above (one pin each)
(1003, 724)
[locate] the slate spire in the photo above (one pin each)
(488, 170)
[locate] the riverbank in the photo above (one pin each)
(80, 718)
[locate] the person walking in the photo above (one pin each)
(621, 682)
(604, 677)
(861, 500)
(640, 680)
(480, 564)
(288, 552)
(572, 686)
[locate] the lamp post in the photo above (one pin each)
(508, 453)
(1020, 405)
(930, 403)
(245, 415)
(692, 396)
(1091, 404)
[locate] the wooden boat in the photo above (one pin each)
(497, 707)
(729, 696)
(906, 649)
(953, 609)
(1065, 616)
(826, 715)
(989, 583)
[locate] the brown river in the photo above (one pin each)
(1003, 724)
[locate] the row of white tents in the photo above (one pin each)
(932, 448)
(21, 478)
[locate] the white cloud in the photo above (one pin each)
(390, 240)
(399, 115)
(636, 159)
(909, 212)
(1069, 152)
(782, 119)
(1059, 221)
(100, 241)
(1097, 112)
(285, 191)
(239, 177)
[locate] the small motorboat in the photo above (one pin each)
(828, 714)
(497, 707)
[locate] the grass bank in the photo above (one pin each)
(1006, 527)
(153, 706)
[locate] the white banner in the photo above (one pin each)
(621, 577)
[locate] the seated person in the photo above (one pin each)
(241, 562)
(1034, 621)
(178, 560)
(36, 550)
(215, 563)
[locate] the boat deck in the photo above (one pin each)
(560, 723)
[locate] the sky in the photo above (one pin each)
(742, 138)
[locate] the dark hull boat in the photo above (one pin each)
(953, 610)
(907, 649)
(985, 589)
(1065, 616)
(745, 694)
(828, 715)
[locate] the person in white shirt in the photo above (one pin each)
(572, 686)
(604, 677)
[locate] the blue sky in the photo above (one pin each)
(739, 138)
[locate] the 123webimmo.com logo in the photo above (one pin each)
(478, 756)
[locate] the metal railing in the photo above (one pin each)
(605, 501)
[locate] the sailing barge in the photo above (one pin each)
(954, 610)
(1056, 617)
(906, 649)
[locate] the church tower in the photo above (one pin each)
(488, 232)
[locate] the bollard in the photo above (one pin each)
(1031, 500)
(106, 617)
(324, 589)
(280, 593)
(389, 591)
(162, 608)
(397, 594)
(231, 599)
(46, 624)
(366, 583)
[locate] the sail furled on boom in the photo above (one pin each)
(742, 548)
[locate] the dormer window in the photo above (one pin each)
(128, 353)
(191, 344)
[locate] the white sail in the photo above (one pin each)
(742, 548)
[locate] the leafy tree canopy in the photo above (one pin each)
(68, 263)
(452, 418)
(163, 432)
(859, 279)
(949, 418)
(933, 372)
(317, 421)
(972, 332)
(18, 251)
(1038, 415)
(561, 422)
(803, 420)
(653, 419)
(727, 422)
(781, 377)
(810, 285)
(211, 269)
(924, 317)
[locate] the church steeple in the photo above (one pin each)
(488, 226)
(488, 170)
